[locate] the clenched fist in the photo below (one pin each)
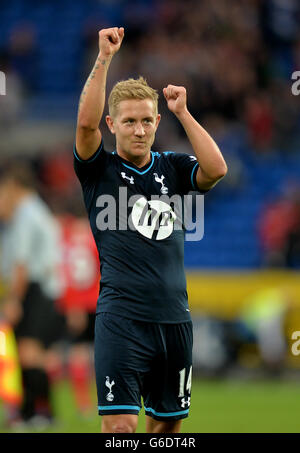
(110, 40)
(176, 98)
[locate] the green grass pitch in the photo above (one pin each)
(218, 406)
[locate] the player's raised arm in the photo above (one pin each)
(212, 166)
(92, 99)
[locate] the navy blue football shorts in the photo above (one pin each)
(135, 360)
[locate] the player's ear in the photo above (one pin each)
(157, 120)
(110, 123)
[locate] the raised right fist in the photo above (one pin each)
(110, 40)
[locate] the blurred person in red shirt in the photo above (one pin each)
(278, 226)
(259, 121)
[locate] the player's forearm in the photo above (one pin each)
(206, 150)
(92, 99)
(19, 282)
(12, 306)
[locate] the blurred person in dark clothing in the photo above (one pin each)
(293, 245)
(28, 261)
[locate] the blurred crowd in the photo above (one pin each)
(236, 60)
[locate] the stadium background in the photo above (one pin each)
(236, 60)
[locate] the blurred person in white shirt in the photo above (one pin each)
(29, 255)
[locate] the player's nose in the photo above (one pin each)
(139, 130)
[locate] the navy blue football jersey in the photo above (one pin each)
(137, 231)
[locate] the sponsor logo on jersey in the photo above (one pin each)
(156, 218)
(153, 215)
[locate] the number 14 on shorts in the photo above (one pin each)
(185, 387)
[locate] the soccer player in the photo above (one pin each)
(143, 329)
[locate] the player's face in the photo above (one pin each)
(134, 126)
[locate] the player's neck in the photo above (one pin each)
(138, 161)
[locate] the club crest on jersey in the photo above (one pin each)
(164, 190)
(110, 396)
(130, 178)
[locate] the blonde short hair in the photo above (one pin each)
(131, 89)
